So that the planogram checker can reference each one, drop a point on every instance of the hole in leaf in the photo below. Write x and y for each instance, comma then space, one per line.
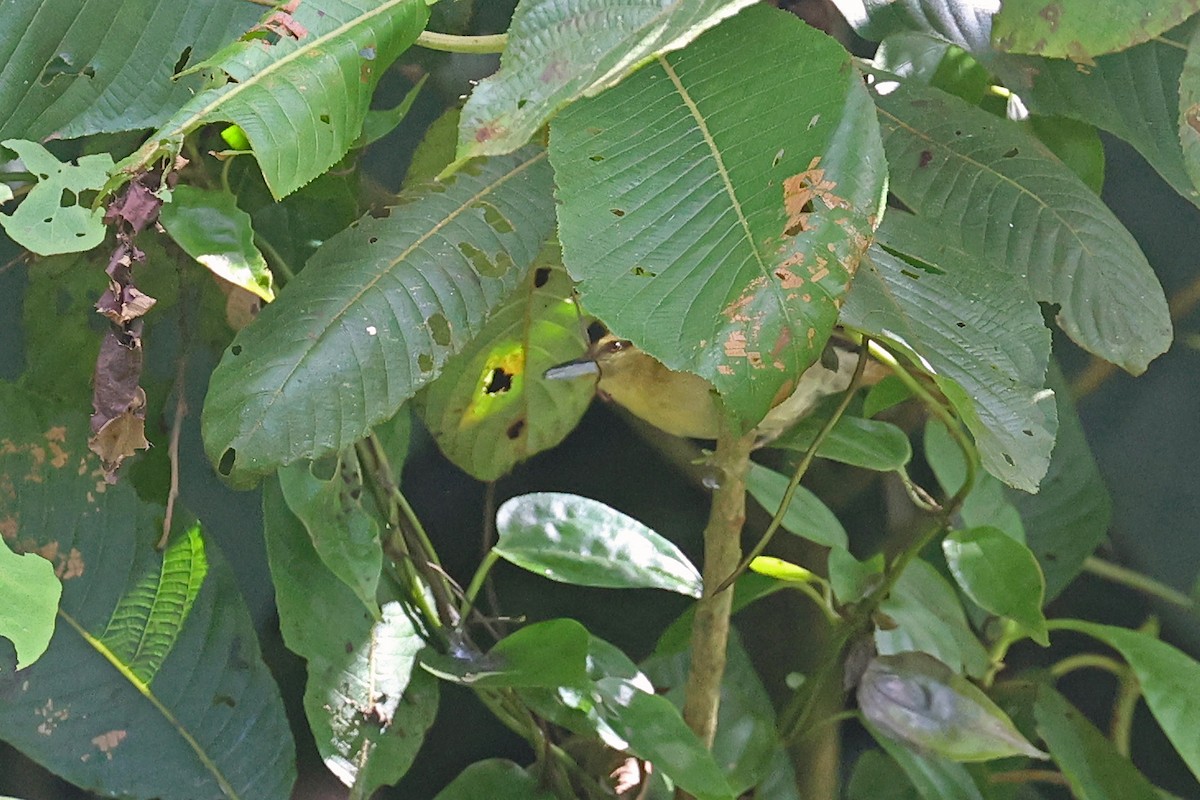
960, 324
67, 199
596, 157
182, 62
521, 103
514, 430
642, 272
373, 240
617, 212
1011, 153
1027, 432
236, 349
439, 329
1009, 459
382, 212
425, 362
778, 157
324, 119
497, 381
226, 465
540, 276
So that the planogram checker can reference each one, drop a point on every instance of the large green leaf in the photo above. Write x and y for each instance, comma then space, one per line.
545, 655
998, 193
1001, 575
934, 777
299, 84
152, 685
806, 516
562, 50
577, 540
367, 703
713, 206
374, 316
52, 219
495, 779
71, 68
867, 443
31, 592
976, 329
1167, 678
1081, 29
491, 409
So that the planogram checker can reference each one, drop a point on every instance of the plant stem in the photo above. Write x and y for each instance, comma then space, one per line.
449, 43
722, 550
1138, 582
1086, 661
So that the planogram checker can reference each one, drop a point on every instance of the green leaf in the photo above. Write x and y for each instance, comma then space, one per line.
989, 502
52, 219
998, 193
850, 578
928, 617
367, 703
558, 52
1189, 107
69, 69
976, 330
866, 443
210, 228
1166, 676
573, 539
496, 779
1001, 575
720, 247
491, 409
806, 516
374, 316
301, 98
343, 532
200, 683
934, 777
888, 393
877, 777
31, 591
435, 150
378, 123
1077, 144
1082, 29
915, 699
1092, 766
544, 655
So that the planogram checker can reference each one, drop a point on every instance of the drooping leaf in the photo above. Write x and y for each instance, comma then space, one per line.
929, 618
915, 699
496, 779
1165, 675
977, 330
996, 192
1001, 575
860, 442
155, 720
70, 69
374, 316
210, 228
343, 532
52, 218
1081, 29
573, 539
807, 516
718, 246
367, 702
559, 51
545, 655
31, 591
298, 85
1091, 764
491, 408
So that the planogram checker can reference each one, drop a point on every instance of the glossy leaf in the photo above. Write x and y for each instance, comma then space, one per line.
367, 703
491, 409
1091, 764
374, 316
69, 69
928, 617
496, 779
155, 719
1001, 575
1082, 29
31, 591
573, 539
934, 777
919, 701
343, 532
301, 98
976, 330
561, 50
866, 443
210, 228
999, 194
1166, 676
806, 516
544, 655
722, 247
52, 219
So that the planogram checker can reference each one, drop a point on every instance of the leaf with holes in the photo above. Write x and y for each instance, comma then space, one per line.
374, 316
1081, 29
998, 193
713, 208
491, 408
154, 666
52, 219
561, 50
31, 591
298, 84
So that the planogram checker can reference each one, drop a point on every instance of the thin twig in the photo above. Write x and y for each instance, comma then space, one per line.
1138, 582
181, 410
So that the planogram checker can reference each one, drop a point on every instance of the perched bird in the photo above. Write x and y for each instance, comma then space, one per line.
684, 404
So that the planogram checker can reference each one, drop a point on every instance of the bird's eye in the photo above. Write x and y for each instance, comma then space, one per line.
617, 345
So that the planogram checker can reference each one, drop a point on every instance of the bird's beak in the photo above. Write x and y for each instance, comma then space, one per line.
572, 369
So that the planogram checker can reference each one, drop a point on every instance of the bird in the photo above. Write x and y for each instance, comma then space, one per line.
684, 404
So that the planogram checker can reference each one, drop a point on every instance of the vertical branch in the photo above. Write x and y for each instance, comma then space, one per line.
722, 552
